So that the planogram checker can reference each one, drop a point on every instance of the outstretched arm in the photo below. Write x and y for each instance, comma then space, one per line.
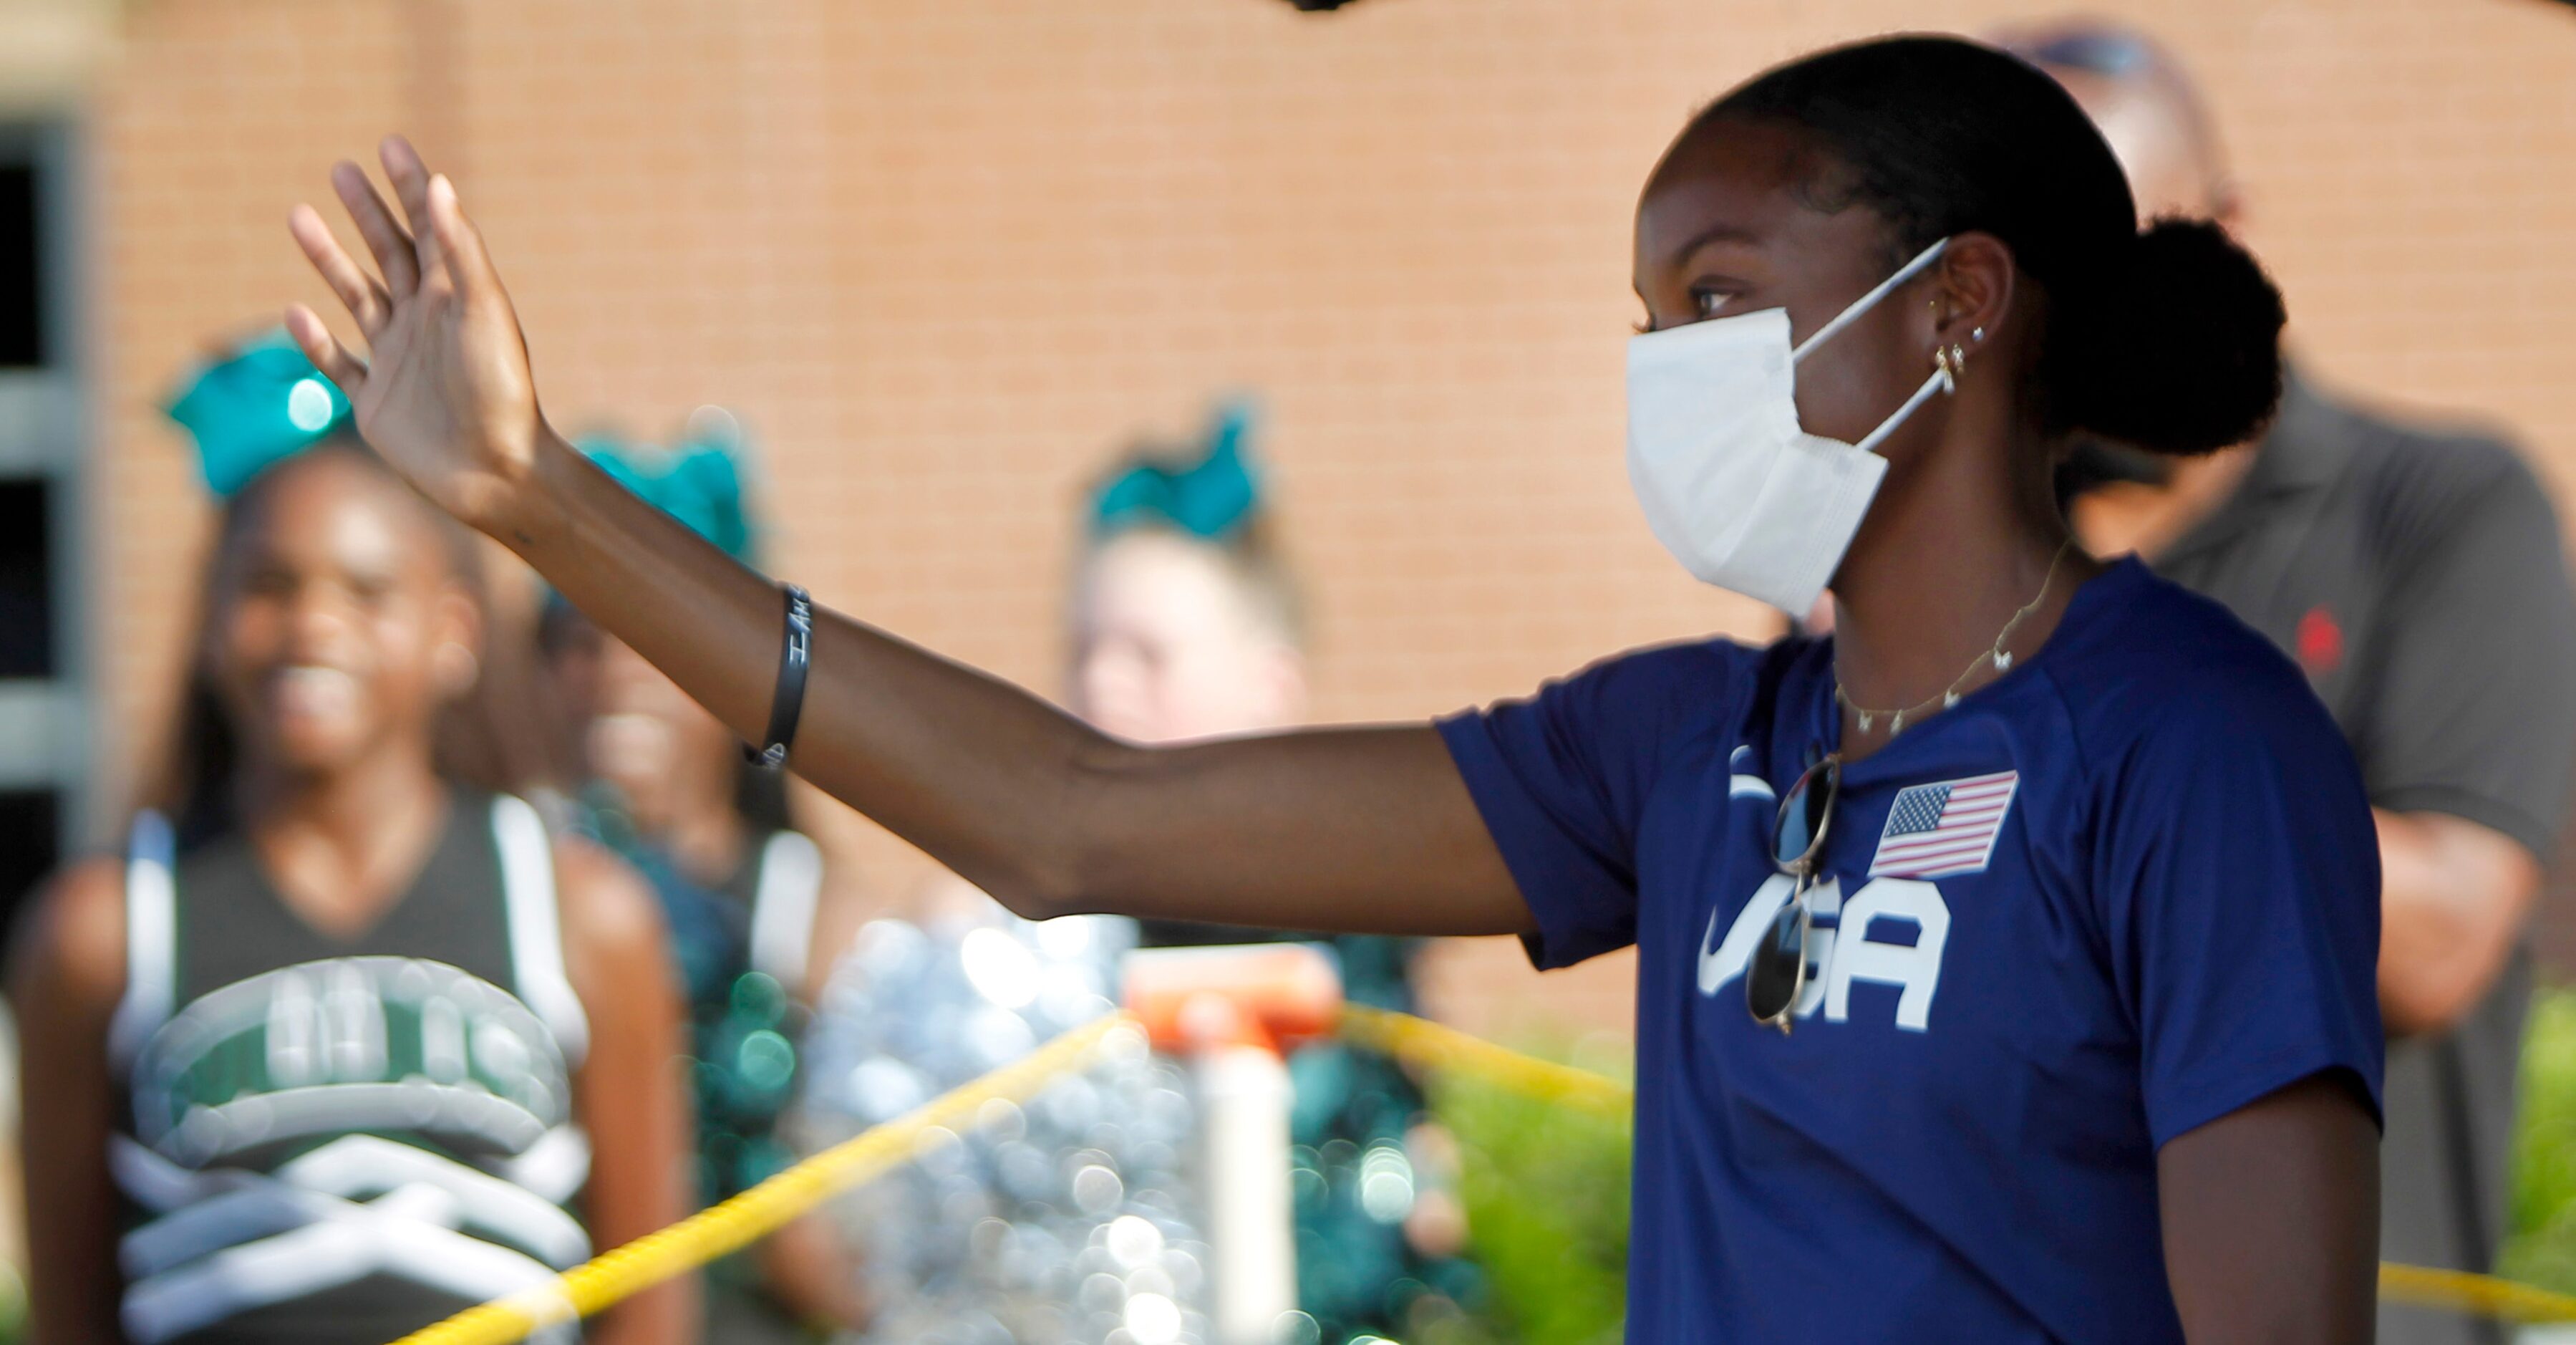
1365, 829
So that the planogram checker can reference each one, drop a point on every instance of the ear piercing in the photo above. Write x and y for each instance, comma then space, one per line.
1952, 359
1975, 335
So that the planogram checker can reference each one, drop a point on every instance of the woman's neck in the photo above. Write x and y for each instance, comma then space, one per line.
342, 847
1952, 550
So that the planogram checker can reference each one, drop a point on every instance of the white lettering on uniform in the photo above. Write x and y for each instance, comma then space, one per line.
1727, 961
1834, 963
353, 1021
1917, 970
295, 1032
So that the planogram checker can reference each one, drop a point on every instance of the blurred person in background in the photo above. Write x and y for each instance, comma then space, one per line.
344, 1043
1188, 623
2416, 576
667, 788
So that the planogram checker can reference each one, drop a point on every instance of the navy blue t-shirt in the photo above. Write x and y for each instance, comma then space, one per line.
2128, 887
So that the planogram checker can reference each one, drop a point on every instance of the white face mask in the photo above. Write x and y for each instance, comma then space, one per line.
1741, 495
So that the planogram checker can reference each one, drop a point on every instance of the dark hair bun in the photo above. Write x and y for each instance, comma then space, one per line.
2179, 352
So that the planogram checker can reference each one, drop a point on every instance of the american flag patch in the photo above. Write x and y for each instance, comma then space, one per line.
1938, 830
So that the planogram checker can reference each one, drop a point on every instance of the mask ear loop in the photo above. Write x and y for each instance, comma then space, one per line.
1864, 303
1939, 382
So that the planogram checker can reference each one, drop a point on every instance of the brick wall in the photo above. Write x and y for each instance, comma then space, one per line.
945, 256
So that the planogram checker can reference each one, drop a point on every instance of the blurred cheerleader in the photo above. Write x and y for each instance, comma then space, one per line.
344, 1042
667, 788
1187, 624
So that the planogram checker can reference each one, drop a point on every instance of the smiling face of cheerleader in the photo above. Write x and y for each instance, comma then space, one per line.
339, 626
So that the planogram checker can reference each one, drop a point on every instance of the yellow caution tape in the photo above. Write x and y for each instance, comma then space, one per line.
745, 1219
1419, 1041
693, 1242
2476, 1295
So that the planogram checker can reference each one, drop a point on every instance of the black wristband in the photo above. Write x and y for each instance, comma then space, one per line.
788, 701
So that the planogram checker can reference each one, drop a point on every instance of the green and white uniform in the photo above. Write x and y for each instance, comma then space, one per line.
340, 1141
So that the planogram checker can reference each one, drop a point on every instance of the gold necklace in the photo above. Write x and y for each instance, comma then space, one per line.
1997, 655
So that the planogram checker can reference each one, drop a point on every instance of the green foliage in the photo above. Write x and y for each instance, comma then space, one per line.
2542, 1248
1546, 1189
13, 1305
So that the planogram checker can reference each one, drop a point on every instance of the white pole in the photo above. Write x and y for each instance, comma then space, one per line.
1244, 1100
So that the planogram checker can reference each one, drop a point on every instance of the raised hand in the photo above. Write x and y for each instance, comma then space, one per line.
445, 393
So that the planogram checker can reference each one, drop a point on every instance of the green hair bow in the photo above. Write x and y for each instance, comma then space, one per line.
263, 405
1211, 498
699, 483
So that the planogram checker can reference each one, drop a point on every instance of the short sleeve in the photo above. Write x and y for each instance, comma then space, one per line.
2474, 711
2240, 874
1561, 779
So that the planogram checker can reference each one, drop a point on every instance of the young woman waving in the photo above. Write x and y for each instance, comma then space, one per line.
2063, 880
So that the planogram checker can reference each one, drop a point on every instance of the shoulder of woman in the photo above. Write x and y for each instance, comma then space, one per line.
607, 908
2181, 678
2167, 650
1665, 676
71, 942
2239, 709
